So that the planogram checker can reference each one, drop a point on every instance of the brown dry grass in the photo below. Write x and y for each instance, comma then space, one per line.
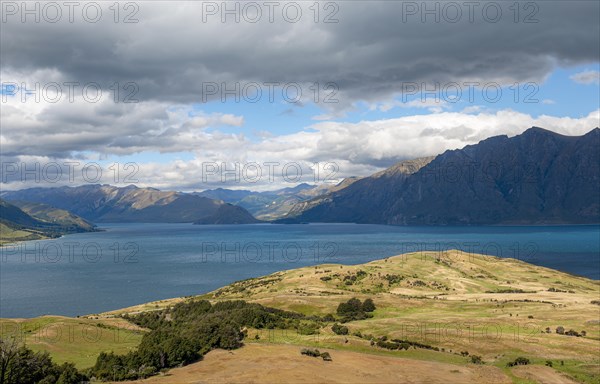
268, 363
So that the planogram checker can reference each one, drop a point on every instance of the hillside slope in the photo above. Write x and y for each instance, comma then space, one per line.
533, 178
32, 221
361, 201
106, 203
457, 302
270, 205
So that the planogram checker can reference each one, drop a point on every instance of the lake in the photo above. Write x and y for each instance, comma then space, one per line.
129, 264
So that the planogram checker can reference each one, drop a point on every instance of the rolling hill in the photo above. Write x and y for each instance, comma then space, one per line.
450, 305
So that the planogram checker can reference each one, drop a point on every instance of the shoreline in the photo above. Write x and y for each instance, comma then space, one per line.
157, 304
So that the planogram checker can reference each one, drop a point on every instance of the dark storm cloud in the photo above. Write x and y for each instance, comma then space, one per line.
369, 53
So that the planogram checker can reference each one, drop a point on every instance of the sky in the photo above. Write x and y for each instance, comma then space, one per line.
188, 96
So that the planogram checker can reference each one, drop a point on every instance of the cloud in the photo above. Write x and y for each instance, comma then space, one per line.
586, 77
168, 58
373, 49
360, 148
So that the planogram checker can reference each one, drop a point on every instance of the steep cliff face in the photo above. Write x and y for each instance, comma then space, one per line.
363, 201
536, 177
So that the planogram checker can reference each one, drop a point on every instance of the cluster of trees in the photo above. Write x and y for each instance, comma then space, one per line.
184, 333
315, 353
518, 361
20, 365
399, 344
354, 309
339, 329
571, 332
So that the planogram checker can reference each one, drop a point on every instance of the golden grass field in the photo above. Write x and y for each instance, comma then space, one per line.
496, 308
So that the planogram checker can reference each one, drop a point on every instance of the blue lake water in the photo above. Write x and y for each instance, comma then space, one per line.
129, 264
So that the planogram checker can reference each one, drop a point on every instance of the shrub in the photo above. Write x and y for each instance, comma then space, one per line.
308, 329
368, 305
548, 363
326, 356
311, 352
476, 359
518, 361
339, 329
354, 309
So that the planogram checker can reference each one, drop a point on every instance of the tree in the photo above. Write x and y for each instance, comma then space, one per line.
9, 349
339, 329
70, 375
368, 305
351, 306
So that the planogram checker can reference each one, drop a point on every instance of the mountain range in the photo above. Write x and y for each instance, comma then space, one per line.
538, 177
270, 205
106, 203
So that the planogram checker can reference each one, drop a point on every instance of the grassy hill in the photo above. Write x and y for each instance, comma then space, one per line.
450, 306
76, 340
21, 221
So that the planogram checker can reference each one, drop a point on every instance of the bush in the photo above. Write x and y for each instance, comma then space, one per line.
308, 329
339, 329
368, 305
476, 359
548, 363
354, 309
310, 352
518, 361
326, 356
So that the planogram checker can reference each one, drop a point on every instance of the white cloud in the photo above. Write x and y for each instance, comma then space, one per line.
358, 148
586, 77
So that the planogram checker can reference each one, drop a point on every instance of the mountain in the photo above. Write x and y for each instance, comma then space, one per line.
538, 177
105, 203
275, 204
33, 221
229, 214
361, 200
51, 214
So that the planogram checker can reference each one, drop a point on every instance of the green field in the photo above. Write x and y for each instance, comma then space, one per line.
75, 340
